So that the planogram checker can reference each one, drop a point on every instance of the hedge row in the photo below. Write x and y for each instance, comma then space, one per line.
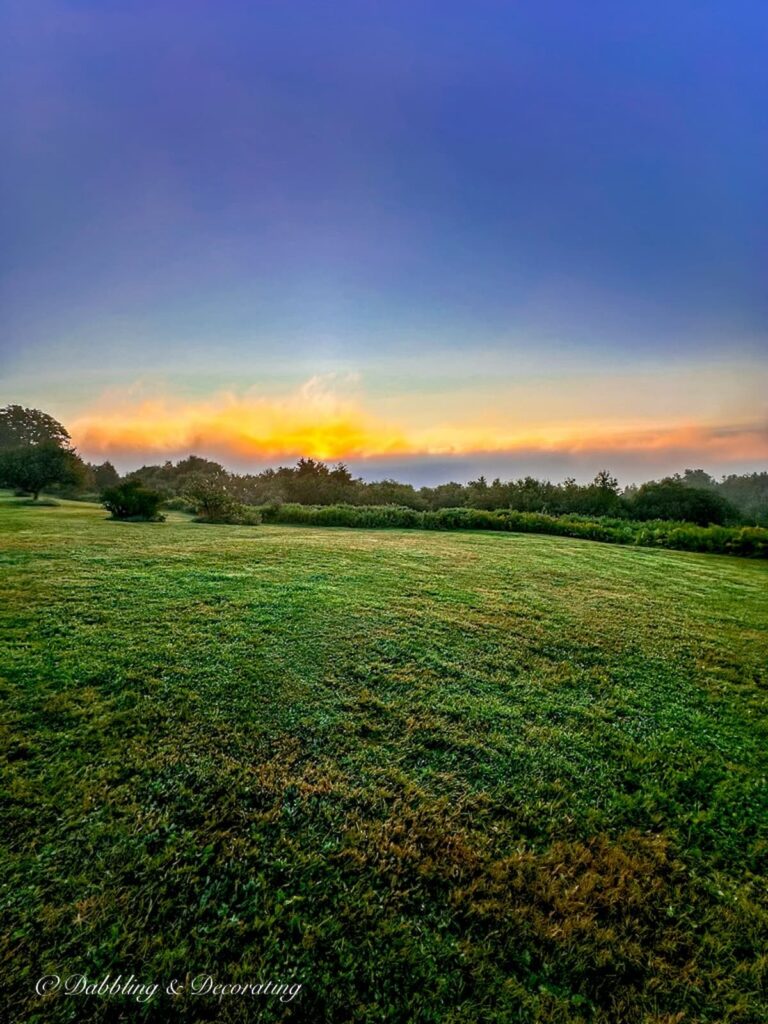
747, 541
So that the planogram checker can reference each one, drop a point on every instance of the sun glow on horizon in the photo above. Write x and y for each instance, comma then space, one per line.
317, 421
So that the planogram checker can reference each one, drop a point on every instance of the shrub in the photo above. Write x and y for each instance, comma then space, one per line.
234, 515
246, 515
371, 516
745, 541
214, 504
131, 500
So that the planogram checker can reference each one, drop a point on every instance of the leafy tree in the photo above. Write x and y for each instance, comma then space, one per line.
480, 495
263, 489
390, 492
34, 467
531, 495
601, 497
104, 476
749, 494
156, 478
696, 478
195, 464
605, 482
20, 427
672, 499
310, 483
450, 495
175, 480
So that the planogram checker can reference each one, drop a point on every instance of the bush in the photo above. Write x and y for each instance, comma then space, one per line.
371, 516
131, 500
234, 515
745, 541
214, 504
246, 515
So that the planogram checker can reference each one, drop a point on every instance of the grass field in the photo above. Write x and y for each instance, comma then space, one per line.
451, 778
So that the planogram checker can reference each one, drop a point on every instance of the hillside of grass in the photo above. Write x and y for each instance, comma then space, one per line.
432, 777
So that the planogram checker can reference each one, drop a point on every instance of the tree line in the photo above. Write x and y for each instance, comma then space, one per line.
36, 454
693, 496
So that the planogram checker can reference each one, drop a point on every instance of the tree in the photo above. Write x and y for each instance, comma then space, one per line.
601, 497
390, 492
36, 466
605, 482
341, 485
450, 495
749, 493
104, 476
479, 494
696, 478
672, 499
20, 427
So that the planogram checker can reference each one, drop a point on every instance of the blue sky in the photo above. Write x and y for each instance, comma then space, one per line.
439, 209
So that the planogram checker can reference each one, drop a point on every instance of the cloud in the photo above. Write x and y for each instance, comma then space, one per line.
326, 418
316, 420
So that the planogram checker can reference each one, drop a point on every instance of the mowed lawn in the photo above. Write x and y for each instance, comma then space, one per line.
433, 777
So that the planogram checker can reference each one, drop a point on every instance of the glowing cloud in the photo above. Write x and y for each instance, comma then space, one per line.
314, 421
319, 421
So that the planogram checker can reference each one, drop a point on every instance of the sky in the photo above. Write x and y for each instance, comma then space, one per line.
429, 239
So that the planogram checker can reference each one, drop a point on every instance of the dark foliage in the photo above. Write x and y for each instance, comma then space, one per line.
175, 480
34, 467
20, 427
748, 492
36, 452
745, 541
213, 503
131, 500
672, 499
104, 475
694, 497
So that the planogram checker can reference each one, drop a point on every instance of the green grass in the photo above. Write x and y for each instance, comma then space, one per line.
434, 777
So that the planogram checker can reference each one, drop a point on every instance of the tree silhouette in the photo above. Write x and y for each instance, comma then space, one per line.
20, 427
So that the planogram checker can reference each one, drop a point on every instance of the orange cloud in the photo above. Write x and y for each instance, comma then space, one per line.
316, 421
313, 421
